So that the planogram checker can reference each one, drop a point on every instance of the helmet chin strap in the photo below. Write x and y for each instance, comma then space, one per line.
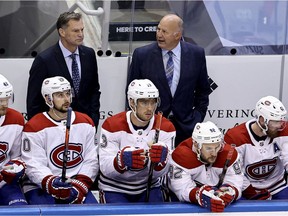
135, 114
197, 151
200, 158
264, 130
60, 118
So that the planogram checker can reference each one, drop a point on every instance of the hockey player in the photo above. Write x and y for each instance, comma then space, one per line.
262, 145
127, 149
43, 146
12, 168
198, 167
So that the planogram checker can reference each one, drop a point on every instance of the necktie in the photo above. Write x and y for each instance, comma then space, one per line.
75, 73
170, 68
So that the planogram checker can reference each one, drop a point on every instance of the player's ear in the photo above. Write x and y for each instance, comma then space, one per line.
195, 144
61, 32
48, 99
132, 103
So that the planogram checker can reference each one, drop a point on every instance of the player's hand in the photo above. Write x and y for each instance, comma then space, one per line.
13, 171
226, 193
130, 158
252, 193
262, 194
58, 189
78, 192
158, 154
206, 198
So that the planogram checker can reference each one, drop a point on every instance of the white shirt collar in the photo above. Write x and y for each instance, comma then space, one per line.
66, 52
176, 51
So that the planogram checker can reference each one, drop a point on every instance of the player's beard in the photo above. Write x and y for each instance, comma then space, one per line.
209, 160
272, 134
3, 111
61, 109
143, 118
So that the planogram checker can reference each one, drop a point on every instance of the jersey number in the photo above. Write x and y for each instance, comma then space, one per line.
175, 172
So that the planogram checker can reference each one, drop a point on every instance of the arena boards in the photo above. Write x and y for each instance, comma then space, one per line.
241, 208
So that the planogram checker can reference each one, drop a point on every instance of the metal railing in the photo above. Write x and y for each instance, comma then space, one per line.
76, 5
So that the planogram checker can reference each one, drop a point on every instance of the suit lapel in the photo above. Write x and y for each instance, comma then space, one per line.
62, 63
84, 64
157, 52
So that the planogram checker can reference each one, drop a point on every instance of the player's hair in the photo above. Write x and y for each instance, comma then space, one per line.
65, 17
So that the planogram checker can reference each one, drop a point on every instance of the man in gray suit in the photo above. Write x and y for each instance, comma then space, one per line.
184, 95
57, 61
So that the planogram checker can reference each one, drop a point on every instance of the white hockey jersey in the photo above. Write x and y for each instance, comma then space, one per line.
187, 173
118, 132
43, 145
263, 162
11, 127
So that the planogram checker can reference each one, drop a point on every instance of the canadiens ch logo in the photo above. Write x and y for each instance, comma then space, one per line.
74, 155
262, 169
3, 151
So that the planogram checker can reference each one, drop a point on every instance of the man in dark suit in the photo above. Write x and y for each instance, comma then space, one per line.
184, 99
57, 61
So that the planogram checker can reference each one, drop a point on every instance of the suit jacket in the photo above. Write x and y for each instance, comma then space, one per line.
190, 102
51, 63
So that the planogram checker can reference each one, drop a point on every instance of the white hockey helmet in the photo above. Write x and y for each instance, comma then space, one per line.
52, 85
6, 89
142, 88
270, 108
206, 133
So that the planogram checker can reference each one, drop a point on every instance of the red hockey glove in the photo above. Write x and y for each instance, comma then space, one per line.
262, 194
251, 193
130, 158
226, 193
13, 171
54, 186
206, 198
158, 153
78, 192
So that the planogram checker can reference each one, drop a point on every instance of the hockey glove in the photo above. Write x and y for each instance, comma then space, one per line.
13, 171
251, 193
262, 194
58, 189
130, 158
206, 198
226, 193
158, 154
78, 192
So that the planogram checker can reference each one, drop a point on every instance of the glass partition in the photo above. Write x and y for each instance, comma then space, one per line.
221, 27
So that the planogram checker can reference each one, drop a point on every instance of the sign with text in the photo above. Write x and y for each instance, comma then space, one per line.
140, 31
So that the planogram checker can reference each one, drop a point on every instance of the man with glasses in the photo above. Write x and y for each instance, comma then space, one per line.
263, 146
127, 149
43, 144
206, 171
11, 167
